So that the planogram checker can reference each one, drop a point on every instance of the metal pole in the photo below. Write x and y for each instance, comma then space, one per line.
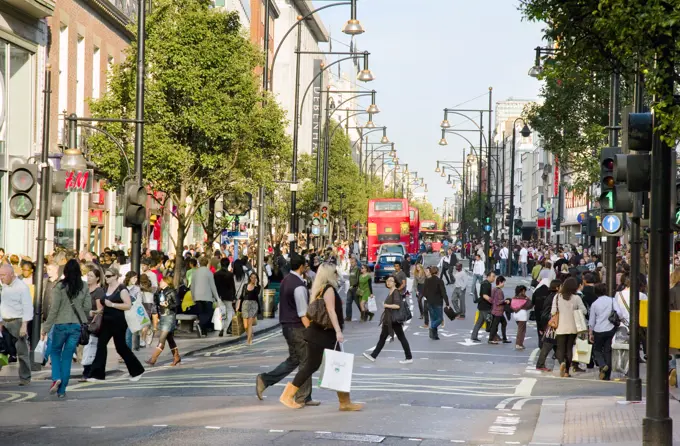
261, 191
462, 219
511, 228
318, 150
503, 182
326, 161
136, 242
633, 381
657, 426
43, 216
296, 132
479, 185
610, 251
487, 238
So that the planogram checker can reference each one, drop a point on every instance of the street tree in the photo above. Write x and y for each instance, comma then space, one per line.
207, 130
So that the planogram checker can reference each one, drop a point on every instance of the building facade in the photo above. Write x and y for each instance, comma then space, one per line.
24, 38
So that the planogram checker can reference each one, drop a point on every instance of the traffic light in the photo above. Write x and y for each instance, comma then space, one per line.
518, 226
507, 220
324, 214
607, 181
675, 216
592, 226
135, 202
23, 195
57, 191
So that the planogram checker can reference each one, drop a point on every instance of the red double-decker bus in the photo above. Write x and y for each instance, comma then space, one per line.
414, 229
428, 225
388, 222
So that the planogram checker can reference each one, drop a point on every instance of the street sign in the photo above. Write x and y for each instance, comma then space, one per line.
611, 224
541, 210
487, 228
237, 235
581, 217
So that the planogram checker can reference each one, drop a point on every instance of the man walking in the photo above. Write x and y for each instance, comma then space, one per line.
443, 266
523, 260
484, 306
460, 281
292, 310
16, 311
477, 274
352, 297
204, 293
504, 254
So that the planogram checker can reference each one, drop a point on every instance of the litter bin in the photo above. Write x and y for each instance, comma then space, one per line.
268, 307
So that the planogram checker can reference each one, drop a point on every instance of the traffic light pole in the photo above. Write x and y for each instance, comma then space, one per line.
657, 426
43, 216
136, 242
633, 381
611, 244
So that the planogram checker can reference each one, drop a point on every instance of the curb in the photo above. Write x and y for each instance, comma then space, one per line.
549, 428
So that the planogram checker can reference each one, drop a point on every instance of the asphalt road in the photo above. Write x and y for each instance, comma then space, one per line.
455, 392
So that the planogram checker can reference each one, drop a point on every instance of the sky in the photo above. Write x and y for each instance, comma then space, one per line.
427, 55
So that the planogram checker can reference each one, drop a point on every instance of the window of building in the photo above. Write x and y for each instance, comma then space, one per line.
80, 76
96, 72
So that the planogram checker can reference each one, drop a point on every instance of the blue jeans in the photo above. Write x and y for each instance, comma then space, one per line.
436, 314
132, 339
504, 267
64, 343
476, 278
48, 345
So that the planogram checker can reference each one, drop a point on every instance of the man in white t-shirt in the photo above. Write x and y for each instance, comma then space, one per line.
503, 254
523, 260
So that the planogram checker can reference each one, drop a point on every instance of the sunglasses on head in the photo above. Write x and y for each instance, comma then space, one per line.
108, 276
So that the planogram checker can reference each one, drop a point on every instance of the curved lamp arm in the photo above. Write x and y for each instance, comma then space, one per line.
447, 111
116, 142
276, 53
472, 147
320, 73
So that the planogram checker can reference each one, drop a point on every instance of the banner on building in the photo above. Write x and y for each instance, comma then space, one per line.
316, 106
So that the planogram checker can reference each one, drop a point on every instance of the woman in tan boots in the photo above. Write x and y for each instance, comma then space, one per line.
166, 301
319, 338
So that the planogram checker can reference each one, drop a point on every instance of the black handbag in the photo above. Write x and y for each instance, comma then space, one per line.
450, 313
318, 313
403, 314
84, 328
614, 316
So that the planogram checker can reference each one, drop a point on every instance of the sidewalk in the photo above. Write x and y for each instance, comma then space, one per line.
188, 344
602, 420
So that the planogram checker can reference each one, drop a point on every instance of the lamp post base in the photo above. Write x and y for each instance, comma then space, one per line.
657, 432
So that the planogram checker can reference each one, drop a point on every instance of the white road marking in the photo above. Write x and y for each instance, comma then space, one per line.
405, 405
512, 442
213, 427
525, 387
415, 439
457, 441
160, 425
447, 407
458, 353
46, 427
275, 430
519, 404
505, 402
98, 427
322, 432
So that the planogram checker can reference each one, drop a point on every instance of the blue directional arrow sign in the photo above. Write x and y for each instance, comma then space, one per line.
611, 224
487, 228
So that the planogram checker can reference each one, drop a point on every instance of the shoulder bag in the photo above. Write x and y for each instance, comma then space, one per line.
84, 329
554, 321
614, 318
403, 314
317, 312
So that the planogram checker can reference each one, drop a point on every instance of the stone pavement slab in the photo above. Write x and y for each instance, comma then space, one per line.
188, 344
585, 421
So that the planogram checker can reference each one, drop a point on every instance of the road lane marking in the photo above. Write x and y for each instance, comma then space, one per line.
46, 427
213, 427
275, 430
525, 387
98, 427
160, 425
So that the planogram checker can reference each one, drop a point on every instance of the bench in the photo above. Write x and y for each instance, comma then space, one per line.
187, 322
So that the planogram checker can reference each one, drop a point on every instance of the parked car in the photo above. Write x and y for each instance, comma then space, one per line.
384, 266
392, 248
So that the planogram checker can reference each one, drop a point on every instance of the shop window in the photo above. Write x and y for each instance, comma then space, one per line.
20, 102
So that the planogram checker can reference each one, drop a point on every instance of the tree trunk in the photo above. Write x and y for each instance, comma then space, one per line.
210, 225
181, 235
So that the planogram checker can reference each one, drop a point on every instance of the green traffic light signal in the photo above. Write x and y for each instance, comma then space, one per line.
677, 217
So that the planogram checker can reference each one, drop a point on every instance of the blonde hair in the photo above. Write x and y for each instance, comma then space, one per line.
419, 271
325, 275
675, 277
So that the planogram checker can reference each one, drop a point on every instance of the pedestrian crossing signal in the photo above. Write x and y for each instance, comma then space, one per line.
23, 196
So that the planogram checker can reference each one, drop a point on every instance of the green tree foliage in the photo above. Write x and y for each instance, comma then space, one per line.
595, 38
426, 212
208, 131
472, 212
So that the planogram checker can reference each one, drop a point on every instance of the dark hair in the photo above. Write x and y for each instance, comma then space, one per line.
397, 282
499, 280
569, 288
239, 273
519, 289
191, 261
434, 270
145, 283
224, 263
73, 281
296, 261
600, 289
555, 285
590, 278
129, 275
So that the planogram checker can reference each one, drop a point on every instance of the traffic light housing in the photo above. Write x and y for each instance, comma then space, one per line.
675, 200
592, 226
324, 215
607, 179
507, 220
135, 202
57, 191
518, 226
23, 194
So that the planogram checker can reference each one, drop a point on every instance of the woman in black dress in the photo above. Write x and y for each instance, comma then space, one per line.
319, 338
114, 304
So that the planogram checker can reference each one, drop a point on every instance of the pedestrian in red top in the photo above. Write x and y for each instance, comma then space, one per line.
498, 301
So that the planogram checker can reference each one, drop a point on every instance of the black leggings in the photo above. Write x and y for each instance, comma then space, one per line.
170, 337
494, 327
565, 345
399, 331
314, 359
116, 330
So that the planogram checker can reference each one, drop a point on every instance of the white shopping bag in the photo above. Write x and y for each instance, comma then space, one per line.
39, 352
89, 351
217, 318
409, 285
336, 371
372, 305
136, 316
582, 356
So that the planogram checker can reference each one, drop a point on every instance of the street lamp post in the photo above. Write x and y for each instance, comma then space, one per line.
525, 132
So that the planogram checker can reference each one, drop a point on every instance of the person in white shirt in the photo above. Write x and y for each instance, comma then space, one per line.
16, 311
478, 269
623, 297
461, 281
523, 260
503, 254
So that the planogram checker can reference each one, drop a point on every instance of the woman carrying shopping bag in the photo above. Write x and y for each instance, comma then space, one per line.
391, 323
166, 302
249, 305
113, 325
520, 305
324, 332
565, 304
68, 311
